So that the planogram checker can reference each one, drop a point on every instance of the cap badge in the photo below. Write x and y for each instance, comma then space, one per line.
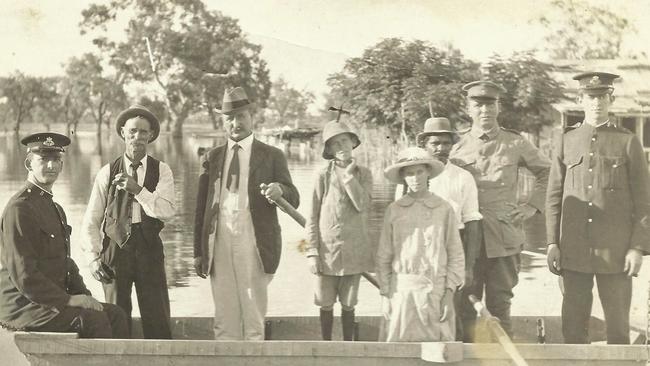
48, 142
595, 80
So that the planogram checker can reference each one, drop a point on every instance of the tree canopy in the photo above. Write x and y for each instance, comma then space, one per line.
195, 53
577, 30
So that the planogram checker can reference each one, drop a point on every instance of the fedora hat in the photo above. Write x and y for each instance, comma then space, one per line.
412, 156
436, 126
334, 128
234, 100
138, 111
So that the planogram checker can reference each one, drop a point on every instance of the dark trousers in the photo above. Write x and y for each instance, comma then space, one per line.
110, 323
141, 263
615, 292
496, 277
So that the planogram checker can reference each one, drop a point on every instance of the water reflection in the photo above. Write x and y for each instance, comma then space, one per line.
87, 154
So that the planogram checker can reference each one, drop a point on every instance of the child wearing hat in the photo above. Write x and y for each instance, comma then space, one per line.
338, 249
420, 260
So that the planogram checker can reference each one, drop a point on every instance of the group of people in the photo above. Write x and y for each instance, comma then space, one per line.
454, 229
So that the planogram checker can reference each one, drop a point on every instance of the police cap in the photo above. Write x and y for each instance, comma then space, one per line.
45, 142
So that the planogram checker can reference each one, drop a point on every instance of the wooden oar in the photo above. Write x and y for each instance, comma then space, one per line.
498, 332
300, 219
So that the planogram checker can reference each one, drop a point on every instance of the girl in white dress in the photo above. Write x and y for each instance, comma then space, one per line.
420, 260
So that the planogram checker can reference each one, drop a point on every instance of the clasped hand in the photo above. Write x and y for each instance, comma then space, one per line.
126, 182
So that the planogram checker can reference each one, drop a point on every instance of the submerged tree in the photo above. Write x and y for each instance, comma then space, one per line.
21, 93
286, 104
188, 45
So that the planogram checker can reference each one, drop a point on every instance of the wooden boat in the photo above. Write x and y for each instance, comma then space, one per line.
294, 341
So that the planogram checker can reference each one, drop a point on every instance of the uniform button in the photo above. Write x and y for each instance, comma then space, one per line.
51, 235
503, 183
591, 154
589, 186
590, 220
614, 166
593, 139
590, 203
29, 190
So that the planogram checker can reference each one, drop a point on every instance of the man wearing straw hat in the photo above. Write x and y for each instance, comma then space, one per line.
130, 199
457, 186
493, 155
237, 238
597, 215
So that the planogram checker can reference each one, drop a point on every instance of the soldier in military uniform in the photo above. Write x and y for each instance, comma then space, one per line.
40, 285
597, 214
493, 155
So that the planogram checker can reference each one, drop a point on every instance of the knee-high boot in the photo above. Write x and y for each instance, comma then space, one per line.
347, 320
326, 320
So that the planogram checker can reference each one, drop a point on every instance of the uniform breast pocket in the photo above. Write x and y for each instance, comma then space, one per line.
506, 170
613, 172
572, 164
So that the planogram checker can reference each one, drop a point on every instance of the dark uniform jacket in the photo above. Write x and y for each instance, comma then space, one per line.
37, 275
267, 165
494, 160
598, 198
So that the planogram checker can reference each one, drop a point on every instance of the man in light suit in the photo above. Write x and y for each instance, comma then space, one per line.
236, 232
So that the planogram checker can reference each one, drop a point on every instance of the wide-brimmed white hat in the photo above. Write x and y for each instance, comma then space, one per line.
412, 156
334, 128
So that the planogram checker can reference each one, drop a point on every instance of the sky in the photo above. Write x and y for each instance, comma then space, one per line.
38, 36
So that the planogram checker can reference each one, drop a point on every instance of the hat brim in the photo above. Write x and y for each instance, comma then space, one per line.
454, 135
392, 172
234, 110
357, 142
138, 112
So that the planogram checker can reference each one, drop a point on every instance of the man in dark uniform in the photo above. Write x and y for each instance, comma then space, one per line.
493, 155
40, 285
597, 214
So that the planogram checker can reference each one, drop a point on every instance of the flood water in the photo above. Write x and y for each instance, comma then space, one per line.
290, 292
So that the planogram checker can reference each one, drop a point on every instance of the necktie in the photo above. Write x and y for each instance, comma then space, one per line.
232, 183
134, 170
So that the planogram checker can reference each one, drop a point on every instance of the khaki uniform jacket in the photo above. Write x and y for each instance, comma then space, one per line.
494, 160
337, 226
598, 198
37, 275
267, 165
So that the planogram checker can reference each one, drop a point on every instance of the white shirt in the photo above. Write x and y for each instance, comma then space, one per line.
233, 201
159, 204
456, 186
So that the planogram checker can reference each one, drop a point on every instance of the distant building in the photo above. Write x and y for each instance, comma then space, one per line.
631, 109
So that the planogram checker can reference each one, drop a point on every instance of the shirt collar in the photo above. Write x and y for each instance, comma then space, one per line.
31, 182
127, 162
244, 143
491, 134
431, 200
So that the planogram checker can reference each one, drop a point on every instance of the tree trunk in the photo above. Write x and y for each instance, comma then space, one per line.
177, 128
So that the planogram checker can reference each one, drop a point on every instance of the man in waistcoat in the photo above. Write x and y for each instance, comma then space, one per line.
237, 238
597, 215
40, 286
131, 197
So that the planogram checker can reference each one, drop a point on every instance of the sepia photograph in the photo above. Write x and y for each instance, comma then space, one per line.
324, 182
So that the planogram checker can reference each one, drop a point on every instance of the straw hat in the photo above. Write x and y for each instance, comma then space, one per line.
412, 156
234, 100
437, 126
334, 128
138, 111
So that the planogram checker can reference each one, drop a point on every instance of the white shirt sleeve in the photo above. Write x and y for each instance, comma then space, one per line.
91, 225
160, 203
469, 209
